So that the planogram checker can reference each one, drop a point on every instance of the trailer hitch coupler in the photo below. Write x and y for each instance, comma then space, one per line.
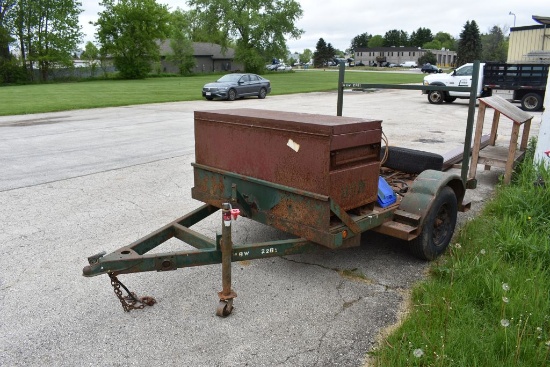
95, 258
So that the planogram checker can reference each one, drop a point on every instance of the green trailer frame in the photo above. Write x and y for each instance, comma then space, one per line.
418, 212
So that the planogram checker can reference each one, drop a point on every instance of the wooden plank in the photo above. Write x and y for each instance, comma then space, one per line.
455, 156
494, 128
525, 135
497, 156
507, 109
511, 154
477, 139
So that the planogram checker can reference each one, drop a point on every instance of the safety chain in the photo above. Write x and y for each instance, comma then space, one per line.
131, 301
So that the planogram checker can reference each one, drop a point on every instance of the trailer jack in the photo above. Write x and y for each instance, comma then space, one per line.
225, 307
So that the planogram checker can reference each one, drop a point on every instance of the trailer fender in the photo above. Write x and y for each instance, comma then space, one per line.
426, 187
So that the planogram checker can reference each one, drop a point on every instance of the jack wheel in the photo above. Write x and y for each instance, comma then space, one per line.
224, 308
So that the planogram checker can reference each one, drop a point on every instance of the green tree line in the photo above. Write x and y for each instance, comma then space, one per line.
37, 36
45, 34
470, 45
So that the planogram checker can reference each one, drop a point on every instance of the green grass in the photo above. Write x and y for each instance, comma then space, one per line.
487, 301
52, 97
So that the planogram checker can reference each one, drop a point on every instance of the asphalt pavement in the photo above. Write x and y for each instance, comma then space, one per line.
79, 182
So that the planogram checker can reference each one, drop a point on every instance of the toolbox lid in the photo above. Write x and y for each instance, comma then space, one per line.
293, 121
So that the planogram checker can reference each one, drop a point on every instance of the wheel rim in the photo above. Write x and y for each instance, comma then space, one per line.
231, 95
530, 103
442, 226
435, 97
262, 93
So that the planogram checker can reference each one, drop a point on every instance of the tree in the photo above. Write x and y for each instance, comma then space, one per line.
181, 44
428, 57
495, 45
306, 56
323, 53
420, 37
10, 70
91, 55
376, 41
446, 41
469, 44
48, 32
259, 28
331, 52
129, 31
396, 38
360, 41
5, 28
433, 45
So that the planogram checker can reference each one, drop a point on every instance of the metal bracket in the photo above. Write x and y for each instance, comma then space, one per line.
95, 258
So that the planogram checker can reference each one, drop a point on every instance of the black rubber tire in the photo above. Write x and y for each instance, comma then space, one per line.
449, 99
435, 96
209, 98
438, 227
231, 95
531, 102
262, 93
410, 160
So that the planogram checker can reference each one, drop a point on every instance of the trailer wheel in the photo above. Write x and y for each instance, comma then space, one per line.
224, 308
531, 102
410, 160
435, 97
438, 226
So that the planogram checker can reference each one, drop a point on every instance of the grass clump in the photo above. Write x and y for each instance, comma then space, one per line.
487, 301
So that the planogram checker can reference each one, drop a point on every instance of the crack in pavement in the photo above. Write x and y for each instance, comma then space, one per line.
345, 273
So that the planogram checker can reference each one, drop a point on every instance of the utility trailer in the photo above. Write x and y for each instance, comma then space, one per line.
317, 177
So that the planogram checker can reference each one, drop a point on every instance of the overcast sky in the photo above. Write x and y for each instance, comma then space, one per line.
337, 22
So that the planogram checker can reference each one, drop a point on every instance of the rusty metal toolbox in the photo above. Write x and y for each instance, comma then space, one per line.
327, 155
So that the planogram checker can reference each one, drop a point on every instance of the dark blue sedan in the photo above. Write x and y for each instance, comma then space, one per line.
429, 68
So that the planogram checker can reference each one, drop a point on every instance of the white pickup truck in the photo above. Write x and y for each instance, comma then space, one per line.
527, 82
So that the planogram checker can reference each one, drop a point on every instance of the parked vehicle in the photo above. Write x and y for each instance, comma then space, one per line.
409, 64
527, 82
391, 65
232, 86
430, 69
284, 67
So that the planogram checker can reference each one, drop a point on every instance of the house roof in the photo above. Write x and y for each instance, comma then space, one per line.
202, 49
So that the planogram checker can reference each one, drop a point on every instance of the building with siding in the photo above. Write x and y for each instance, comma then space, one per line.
209, 57
398, 55
530, 44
